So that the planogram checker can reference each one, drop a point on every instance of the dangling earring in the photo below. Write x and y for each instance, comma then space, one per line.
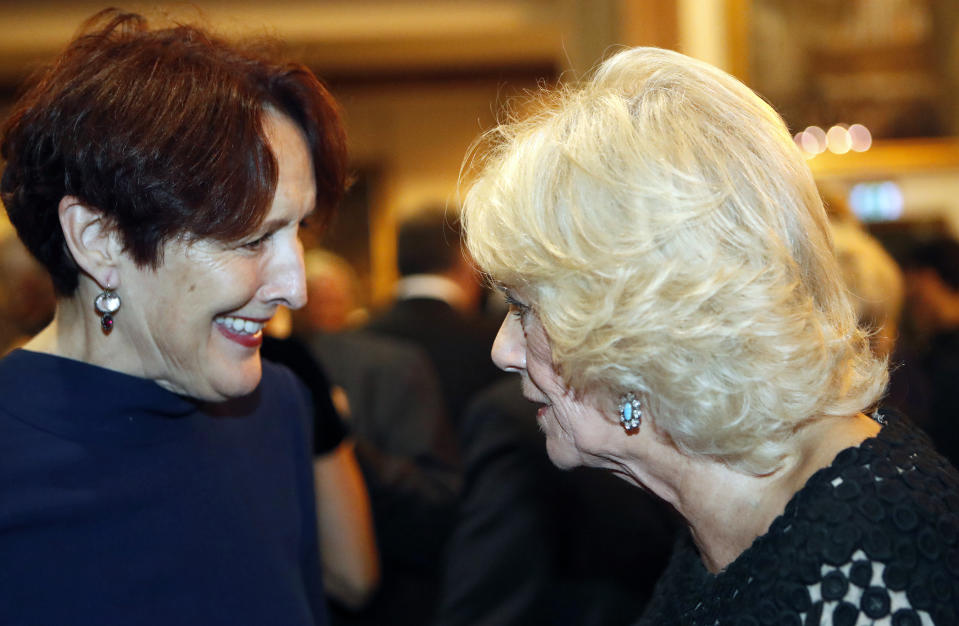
107, 303
630, 412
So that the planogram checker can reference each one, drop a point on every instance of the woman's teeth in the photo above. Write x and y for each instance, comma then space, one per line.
238, 325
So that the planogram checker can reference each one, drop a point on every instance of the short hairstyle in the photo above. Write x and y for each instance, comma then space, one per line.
671, 240
429, 242
162, 131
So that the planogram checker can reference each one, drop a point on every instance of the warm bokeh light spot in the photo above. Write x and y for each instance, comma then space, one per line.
838, 140
861, 138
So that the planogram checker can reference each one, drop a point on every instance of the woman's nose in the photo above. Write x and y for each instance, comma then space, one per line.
286, 276
509, 347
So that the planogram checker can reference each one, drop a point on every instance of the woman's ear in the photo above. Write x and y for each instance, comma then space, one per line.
92, 241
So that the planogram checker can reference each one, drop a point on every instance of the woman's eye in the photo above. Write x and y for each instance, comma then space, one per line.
516, 307
257, 243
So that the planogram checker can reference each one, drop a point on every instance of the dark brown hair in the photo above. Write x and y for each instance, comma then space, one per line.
162, 131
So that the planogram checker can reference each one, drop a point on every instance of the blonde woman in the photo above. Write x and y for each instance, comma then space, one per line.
678, 314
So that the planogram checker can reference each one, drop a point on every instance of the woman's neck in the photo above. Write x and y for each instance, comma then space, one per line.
726, 510
69, 334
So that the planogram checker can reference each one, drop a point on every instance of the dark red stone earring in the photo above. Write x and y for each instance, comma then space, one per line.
106, 304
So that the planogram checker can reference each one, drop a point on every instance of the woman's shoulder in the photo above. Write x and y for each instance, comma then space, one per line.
899, 454
64, 389
880, 523
875, 533
21, 364
896, 470
913, 453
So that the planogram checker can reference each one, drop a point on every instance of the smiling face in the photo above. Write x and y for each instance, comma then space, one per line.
195, 324
577, 432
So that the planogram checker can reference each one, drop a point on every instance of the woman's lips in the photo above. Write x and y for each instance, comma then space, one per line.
543, 404
244, 331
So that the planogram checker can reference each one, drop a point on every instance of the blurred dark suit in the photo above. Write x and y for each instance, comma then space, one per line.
457, 343
537, 545
409, 460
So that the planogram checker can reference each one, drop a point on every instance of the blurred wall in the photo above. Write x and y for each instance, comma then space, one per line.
419, 80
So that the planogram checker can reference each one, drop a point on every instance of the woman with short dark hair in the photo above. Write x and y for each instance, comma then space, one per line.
152, 469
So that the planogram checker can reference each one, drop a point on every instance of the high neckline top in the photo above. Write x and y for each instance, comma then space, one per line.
124, 503
45, 390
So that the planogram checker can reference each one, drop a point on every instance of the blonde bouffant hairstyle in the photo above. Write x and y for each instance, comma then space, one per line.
670, 238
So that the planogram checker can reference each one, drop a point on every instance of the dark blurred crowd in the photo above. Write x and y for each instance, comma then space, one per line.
904, 283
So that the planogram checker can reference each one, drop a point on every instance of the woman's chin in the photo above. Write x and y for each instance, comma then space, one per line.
561, 455
238, 385
219, 384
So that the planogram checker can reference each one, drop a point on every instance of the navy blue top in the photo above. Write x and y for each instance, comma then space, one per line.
124, 503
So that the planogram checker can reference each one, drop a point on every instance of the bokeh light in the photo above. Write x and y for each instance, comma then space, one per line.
876, 201
838, 140
813, 140
861, 138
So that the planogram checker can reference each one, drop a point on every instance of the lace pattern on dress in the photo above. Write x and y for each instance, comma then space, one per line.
871, 539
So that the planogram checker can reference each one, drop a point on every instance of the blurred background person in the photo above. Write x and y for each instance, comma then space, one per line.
385, 382
932, 282
155, 471
437, 306
874, 280
334, 287
678, 315
535, 544
349, 556
388, 392
877, 290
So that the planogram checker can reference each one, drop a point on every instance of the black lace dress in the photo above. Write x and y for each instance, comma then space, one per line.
871, 539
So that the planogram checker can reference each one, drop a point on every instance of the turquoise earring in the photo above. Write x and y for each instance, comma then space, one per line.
630, 412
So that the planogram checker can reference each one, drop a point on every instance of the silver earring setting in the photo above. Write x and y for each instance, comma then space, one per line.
107, 303
630, 412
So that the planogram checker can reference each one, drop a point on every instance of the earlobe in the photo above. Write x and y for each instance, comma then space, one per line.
91, 240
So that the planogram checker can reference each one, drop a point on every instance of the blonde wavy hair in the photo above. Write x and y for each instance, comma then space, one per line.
671, 240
